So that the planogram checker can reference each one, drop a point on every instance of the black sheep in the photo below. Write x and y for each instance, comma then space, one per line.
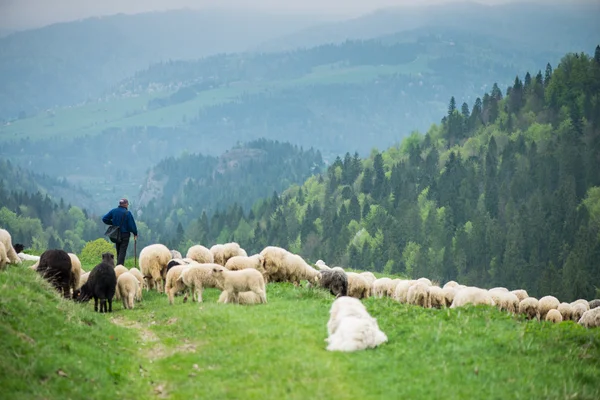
55, 267
18, 247
172, 264
101, 284
335, 281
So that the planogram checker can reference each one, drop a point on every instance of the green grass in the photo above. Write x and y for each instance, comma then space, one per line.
93, 118
277, 351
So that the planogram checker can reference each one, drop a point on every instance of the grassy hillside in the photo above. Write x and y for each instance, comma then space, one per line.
53, 348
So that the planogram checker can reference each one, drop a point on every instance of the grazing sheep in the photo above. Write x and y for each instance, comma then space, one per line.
76, 271
437, 297
101, 284
11, 254
401, 291
322, 266
119, 269
521, 294
351, 328
335, 281
273, 263
173, 285
578, 309
594, 304
338, 269
200, 254
425, 281
418, 294
175, 254
197, 277
499, 289
138, 275
82, 280
128, 288
449, 294
232, 249
565, 310
391, 288
370, 277
547, 303
554, 315
358, 286
243, 298
234, 282
504, 300
590, 318
3, 256
237, 263
379, 287
582, 301
530, 307
451, 284
174, 263
472, 295
55, 267
294, 269
153, 265
18, 248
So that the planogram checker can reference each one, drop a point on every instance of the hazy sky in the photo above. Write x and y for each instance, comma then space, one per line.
20, 14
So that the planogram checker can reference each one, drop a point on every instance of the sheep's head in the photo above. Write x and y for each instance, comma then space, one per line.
217, 272
18, 247
83, 294
108, 258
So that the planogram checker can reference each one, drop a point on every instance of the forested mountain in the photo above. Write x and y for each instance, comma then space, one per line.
504, 192
179, 189
68, 63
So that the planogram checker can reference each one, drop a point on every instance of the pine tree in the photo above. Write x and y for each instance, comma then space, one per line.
451, 106
548, 75
597, 54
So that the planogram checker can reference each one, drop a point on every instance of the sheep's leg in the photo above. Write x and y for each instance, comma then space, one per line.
67, 290
131, 301
263, 296
199, 293
125, 305
95, 304
171, 295
109, 305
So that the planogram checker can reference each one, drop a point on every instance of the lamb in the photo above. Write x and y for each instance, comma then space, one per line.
590, 318
437, 297
530, 307
354, 328
521, 294
173, 285
128, 288
243, 298
472, 295
200, 254
554, 315
175, 254
138, 275
153, 265
237, 263
3, 256
55, 267
119, 269
335, 281
547, 303
380, 287
578, 309
370, 277
358, 286
565, 310
234, 282
101, 284
197, 277
594, 304
418, 294
11, 254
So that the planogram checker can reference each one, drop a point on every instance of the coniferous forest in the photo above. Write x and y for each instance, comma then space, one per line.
502, 192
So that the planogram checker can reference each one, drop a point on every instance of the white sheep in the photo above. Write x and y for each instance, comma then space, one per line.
320, 264
197, 277
298, 270
450, 284
175, 254
11, 254
437, 297
379, 287
234, 282
565, 310
83, 279
530, 307
153, 265
172, 283
418, 294
243, 298
554, 315
590, 318
401, 291
472, 295
521, 294
127, 287
449, 294
3, 256
274, 263
237, 263
547, 303
504, 300
223, 252
499, 289
425, 281
358, 286
75, 271
369, 276
138, 275
585, 303
200, 254
578, 309
354, 328
338, 269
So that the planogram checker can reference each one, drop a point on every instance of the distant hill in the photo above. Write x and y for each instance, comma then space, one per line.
68, 63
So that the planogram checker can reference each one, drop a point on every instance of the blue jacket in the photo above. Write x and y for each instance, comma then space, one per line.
114, 217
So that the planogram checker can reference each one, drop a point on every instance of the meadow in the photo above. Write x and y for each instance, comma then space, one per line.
55, 348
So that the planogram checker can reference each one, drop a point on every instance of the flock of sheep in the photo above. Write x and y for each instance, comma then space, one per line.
242, 279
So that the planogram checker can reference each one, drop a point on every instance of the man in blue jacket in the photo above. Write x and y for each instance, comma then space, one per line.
114, 217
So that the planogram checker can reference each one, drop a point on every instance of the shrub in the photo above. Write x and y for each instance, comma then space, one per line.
92, 252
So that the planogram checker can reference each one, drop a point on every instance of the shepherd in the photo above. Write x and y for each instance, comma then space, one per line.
122, 225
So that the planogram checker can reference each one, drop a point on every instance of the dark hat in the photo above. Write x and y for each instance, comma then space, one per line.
123, 202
